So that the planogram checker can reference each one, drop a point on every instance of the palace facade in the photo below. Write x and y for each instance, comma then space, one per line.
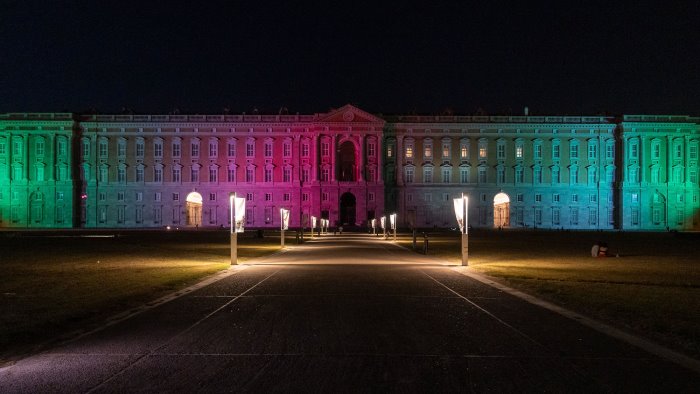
64, 170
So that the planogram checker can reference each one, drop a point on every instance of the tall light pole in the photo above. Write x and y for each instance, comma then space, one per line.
313, 225
383, 223
461, 212
392, 220
237, 216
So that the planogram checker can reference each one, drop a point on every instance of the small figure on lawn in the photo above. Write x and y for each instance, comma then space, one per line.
600, 249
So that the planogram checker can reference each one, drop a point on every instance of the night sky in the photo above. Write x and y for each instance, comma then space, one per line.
566, 57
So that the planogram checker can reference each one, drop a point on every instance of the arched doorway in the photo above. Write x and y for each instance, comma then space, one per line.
501, 210
194, 209
347, 209
346, 159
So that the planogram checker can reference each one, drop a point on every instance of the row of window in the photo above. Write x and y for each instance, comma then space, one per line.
519, 175
176, 148
678, 148
519, 152
39, 146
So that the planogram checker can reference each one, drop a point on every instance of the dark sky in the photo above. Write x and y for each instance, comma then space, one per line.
568, 57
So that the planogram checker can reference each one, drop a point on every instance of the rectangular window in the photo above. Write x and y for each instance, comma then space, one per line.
250, 149
634, 197
501, 175
17, 148
324, 196
428, 151
482, 175
634, 217
537, 176
231, 149
3, 148
501, 151
463, 175
427, 197
268, 149
464, 152
555, 197
409, 175
428, 175
213, 175
139, 196
158, 175
176, 148
139, 148
446, 175
268, 175
573, 151
287, 197
445, 151
538, 151
213, 149
176, 172
212, 196
482, 152
409, 152
249, 196
574, 198
120, 196
519, 152
556, 151
538, 198
157, 215
121, 175
268, 196
610, 151
305, 197
693, 152
655, 150
157, 196
102, 148
519, 175
573, 174
325, 149
287, 175
593, 198
325, 175
268, 215
249, 175
231, 175
371, 149
390, 151
574, 216
121, 148
556, 216
370, 196
102, 196
194, 149
678, 151
538, 216
519, 197
592, 151
305, 150
194, 174
305, 175
158, 149
287, 149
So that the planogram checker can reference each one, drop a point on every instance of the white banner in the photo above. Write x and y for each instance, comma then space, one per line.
238, 213
284, 219
313, 222
383, 222
392, 219
374, 223
461, 209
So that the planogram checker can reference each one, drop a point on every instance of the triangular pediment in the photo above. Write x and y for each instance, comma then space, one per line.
349, 114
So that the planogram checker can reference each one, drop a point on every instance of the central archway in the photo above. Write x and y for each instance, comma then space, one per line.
501, 210
194, 209
347, 162
347, 209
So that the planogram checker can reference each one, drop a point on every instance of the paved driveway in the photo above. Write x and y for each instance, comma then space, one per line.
341, 314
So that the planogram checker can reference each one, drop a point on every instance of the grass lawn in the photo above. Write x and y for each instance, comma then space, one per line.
652, 289
54, 283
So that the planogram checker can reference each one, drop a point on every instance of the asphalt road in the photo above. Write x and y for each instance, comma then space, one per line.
347, 314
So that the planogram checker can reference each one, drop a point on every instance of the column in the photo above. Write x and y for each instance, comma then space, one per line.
314, 170
642, 162
333, 164
380, 161
399, 160
360, 173
51, 163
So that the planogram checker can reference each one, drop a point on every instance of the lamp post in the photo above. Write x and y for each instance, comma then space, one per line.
461, 212
237, 216
374, 226
382, 221
313, 225
284, 224
392, 220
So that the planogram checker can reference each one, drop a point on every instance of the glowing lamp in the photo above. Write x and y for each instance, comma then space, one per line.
237, 219
284, 224
461, 206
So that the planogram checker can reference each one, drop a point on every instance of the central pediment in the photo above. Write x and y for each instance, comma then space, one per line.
349, 114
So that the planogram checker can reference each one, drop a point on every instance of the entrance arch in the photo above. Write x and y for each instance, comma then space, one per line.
347, 209
346, 159
194, 209
501, 210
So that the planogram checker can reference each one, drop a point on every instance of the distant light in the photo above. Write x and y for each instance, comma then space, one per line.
167, 227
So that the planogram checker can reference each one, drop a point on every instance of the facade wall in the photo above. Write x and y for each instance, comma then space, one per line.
631, 173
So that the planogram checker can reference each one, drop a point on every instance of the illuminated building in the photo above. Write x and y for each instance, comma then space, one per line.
575, 172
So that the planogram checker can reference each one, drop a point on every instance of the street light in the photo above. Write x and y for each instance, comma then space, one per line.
383, 223
313, 225
284, 224
461, 212
237, 212
392, 220
374, 226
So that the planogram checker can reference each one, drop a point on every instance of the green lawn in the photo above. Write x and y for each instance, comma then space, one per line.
56, 283
652, 289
